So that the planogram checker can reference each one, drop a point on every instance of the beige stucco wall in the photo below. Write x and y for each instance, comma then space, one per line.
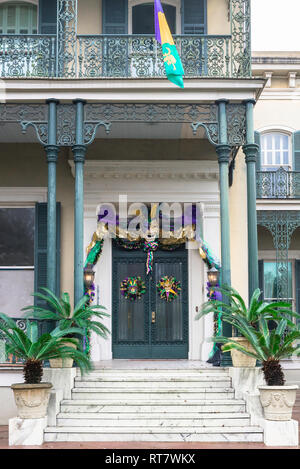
238, 227
90, 16
277, 113
24, 165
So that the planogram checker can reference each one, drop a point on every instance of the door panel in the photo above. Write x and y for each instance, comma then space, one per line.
150, 327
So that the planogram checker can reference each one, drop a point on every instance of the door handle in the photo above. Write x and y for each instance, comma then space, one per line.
153, 317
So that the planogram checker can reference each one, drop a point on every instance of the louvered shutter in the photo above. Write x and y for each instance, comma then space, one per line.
115, 16
296, 148
40, 258
257, 141
193, 17
261, 278
297, 267
47, 16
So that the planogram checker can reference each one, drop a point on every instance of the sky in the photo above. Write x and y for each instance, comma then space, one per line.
275, 25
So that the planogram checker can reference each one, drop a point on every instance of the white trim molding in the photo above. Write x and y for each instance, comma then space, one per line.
22, 195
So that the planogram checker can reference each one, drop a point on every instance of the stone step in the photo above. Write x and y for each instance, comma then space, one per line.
77, 420
154, 406
205, 434
124, 394
155, 372
152, 382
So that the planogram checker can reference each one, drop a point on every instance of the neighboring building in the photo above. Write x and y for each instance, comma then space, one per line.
277, 128
85, 92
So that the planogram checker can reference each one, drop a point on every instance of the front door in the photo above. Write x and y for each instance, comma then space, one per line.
150, 326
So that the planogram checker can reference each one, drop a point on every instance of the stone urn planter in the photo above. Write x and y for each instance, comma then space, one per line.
278, 401
63, 362
32, 399
239, 359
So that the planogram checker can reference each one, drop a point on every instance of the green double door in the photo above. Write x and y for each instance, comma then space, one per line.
150, 327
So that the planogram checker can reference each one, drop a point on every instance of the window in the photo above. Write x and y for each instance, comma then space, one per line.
18, 18
275, 151
143, 18
16, 259
271, 281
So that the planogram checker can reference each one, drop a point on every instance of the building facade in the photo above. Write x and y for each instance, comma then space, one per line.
88, 118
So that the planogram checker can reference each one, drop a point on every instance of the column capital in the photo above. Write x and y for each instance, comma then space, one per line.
79, 152
222, 100
52, 100
52, 153
249, 101
223, 152
251, 152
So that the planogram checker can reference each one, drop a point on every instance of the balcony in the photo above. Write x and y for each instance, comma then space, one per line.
116, 56
280, 184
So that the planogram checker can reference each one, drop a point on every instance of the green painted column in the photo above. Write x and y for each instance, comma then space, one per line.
223, 151
251, 152
52, 155
79, 152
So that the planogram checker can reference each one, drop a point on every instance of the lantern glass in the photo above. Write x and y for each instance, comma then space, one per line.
89, 275
213, 276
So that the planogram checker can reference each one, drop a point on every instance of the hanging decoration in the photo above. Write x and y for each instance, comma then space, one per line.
132, 288
168, 288
150, 247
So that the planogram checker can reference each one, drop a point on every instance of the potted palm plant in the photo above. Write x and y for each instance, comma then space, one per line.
32, 396
235, 312
271, 346
84, 316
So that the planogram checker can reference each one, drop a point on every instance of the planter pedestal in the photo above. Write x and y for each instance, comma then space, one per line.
26, 432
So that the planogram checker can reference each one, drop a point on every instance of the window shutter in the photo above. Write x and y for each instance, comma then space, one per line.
261, 278
296, 149
193, 16
47, 16
40, 257
115, 16
257, 141
297, 267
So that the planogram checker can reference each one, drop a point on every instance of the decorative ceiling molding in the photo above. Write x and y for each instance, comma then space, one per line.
147, 170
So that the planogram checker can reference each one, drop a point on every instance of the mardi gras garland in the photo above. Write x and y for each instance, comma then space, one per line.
169, 288
132, 288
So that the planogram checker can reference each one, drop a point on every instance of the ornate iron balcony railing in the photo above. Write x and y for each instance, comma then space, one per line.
38, 328
138, 56
27, 56
280, 184
117, 56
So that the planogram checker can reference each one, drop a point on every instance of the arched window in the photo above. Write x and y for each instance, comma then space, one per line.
275, 151
143, 18
18, 18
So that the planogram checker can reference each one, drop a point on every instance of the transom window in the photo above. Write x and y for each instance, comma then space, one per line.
275, 151
143, 18
18, 18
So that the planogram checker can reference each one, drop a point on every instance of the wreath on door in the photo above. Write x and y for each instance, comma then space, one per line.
168, 288
133, 288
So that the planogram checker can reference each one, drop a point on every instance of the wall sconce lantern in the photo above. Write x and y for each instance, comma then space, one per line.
88, 276
213, 276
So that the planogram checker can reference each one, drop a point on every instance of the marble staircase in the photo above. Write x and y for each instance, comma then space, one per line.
154, 405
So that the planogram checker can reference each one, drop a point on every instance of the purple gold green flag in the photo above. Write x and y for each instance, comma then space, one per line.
172, 62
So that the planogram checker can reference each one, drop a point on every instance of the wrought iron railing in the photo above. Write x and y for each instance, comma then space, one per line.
37, 328
280, 184
138, 56
110, 56
27, 55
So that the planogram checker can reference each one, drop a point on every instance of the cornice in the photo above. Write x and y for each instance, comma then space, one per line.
149, 170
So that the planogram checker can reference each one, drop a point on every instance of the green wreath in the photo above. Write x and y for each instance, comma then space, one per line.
132, 288
169, 288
